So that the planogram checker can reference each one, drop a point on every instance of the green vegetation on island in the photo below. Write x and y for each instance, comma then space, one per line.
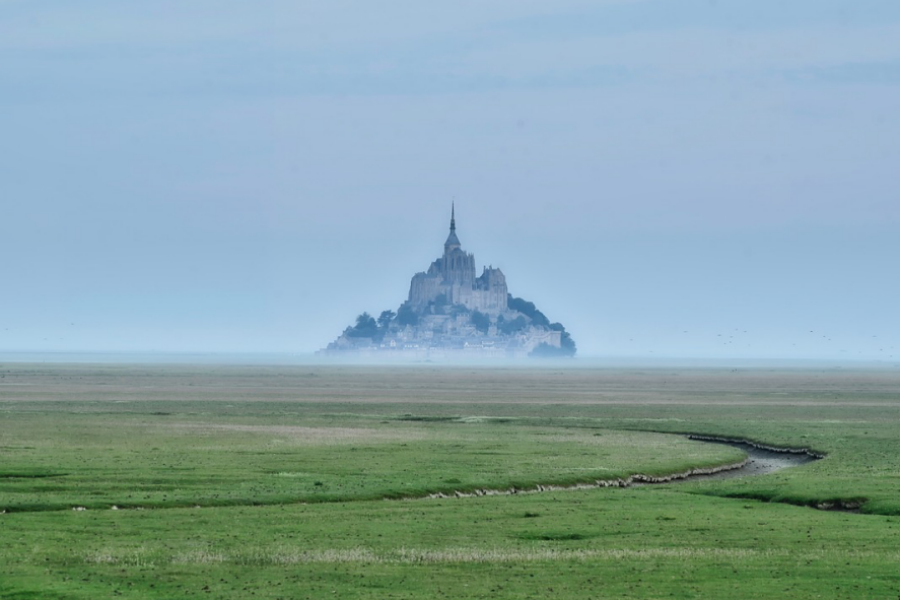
473, 326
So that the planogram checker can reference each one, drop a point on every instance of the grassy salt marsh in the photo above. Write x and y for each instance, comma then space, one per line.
270, 483
56, 462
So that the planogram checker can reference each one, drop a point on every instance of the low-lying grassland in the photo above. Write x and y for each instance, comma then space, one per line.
56, 461
272, 483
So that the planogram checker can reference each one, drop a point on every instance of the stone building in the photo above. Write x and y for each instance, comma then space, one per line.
451, 313
451, 280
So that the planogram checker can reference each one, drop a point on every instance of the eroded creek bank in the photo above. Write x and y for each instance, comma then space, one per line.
761, 460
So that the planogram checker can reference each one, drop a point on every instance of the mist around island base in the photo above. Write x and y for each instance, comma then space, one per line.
314, 358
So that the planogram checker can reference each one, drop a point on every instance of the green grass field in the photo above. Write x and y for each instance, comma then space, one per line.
313, 482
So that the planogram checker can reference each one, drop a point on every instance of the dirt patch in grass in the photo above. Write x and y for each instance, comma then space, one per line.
309, 435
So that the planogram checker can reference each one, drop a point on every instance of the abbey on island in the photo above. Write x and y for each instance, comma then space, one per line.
452, 313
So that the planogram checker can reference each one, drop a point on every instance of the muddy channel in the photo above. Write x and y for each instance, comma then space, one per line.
761, 459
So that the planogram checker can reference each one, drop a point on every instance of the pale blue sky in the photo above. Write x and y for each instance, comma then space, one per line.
687, 178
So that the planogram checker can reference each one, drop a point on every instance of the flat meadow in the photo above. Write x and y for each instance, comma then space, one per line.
313, 481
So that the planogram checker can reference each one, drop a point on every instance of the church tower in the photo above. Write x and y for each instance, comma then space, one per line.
457, 265
452, 242
453, 277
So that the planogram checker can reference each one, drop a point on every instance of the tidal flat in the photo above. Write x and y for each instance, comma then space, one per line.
178, 481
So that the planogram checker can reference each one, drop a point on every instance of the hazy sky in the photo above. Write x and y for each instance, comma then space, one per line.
686, 178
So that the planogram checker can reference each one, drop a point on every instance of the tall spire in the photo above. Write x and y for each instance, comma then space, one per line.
452, 242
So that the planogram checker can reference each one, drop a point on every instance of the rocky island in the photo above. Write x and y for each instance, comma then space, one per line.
451, 313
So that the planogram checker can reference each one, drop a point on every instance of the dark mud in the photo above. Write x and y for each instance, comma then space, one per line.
761, 459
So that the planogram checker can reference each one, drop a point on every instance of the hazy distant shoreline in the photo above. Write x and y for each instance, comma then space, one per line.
311, 359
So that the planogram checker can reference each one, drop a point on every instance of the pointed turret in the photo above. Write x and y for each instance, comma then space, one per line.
452, 242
